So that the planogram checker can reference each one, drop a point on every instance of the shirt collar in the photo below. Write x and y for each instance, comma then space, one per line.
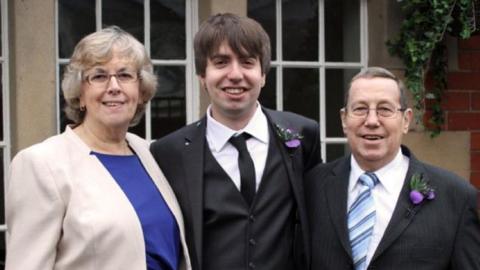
218, 134
381, 173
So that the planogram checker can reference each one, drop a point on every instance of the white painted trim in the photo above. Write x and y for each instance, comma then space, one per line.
192, 87
177, 62
147, 44
6, 143
98, 15
336, 140
317, 64
57, 71
279, 56
364, 33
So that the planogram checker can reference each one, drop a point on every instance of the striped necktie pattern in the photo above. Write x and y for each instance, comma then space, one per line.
361, 219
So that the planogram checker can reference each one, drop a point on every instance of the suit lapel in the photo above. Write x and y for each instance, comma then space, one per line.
405, 211
193, 156
336, 194
292, 160
294, 166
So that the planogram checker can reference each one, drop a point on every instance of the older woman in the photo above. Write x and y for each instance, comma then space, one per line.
93, 197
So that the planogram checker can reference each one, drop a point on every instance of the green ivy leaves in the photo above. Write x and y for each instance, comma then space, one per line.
419, 45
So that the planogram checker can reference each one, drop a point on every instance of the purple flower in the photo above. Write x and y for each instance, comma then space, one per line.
416, 197
289, 136
293, 143
420, 189
431, 195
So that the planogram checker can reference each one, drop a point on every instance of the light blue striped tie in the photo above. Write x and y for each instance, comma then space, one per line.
361, 219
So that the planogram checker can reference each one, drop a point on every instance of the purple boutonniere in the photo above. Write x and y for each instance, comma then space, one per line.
420, 189
289, 137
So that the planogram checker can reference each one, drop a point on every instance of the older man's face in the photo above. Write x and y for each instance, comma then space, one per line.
373, 138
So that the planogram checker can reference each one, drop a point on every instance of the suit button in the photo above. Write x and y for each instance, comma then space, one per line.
251, 218
252, 242
251, 265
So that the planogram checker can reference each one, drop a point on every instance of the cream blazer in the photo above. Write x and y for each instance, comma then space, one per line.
64, 211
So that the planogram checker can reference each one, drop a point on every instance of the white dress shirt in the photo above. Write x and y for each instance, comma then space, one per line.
227, 155
385, 194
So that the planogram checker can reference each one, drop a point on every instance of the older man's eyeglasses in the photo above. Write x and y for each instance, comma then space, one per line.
102, 79
381, 111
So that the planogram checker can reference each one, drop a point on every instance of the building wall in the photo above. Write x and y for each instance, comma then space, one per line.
462, 99
32, 72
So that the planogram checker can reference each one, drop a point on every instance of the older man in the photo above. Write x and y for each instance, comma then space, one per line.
380, 207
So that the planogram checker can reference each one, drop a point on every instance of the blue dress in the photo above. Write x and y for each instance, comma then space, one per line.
160, 229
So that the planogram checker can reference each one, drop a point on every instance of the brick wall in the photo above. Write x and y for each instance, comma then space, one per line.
462, 100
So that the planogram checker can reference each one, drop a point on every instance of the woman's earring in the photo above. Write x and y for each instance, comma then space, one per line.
82, 108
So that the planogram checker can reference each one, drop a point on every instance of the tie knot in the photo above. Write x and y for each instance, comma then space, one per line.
369, 179
239, 141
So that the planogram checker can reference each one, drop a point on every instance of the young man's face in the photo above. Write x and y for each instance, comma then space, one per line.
233, 84
374, 139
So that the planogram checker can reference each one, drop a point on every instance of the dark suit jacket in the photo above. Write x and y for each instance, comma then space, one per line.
181, 154
443, 233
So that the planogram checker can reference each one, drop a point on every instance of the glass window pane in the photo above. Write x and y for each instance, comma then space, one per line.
140, 128
300, 30
127, 14
1, 37
2, 250
268, 94
168, 105
2, 211
336, 83
342, 30
2, 208
301, 91
263, 11
168, 33
335, 151
75, 20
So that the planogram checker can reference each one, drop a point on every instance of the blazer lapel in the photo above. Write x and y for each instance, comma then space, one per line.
405, 211
161, 183
193, 156
336, 194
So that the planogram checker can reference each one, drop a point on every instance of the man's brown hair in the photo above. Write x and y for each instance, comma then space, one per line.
245, 36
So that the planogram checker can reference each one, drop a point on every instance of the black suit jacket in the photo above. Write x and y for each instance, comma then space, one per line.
180, 156
443, 233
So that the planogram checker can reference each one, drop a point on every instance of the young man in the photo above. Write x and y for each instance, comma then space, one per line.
244, 208
380, 207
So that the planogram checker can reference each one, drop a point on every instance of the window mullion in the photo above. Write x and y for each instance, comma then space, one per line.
279, 56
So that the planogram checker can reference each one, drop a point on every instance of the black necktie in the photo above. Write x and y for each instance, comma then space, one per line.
246, 167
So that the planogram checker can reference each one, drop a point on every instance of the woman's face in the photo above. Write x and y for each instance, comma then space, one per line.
110, 94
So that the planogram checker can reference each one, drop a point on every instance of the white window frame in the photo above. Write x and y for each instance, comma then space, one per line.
192, 97
4, 59
321, 65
